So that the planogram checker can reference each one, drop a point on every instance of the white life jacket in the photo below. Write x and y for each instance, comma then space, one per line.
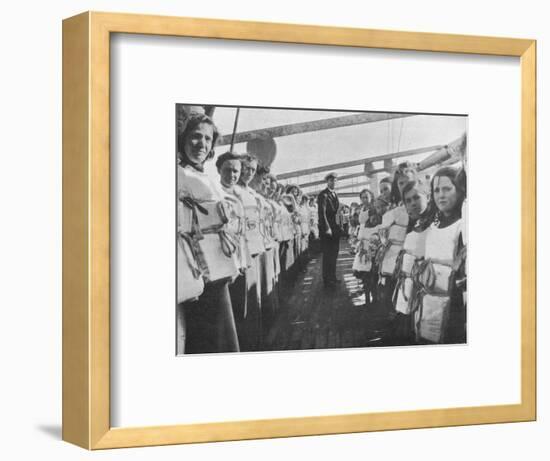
289, 255
252, 207
204, 212
436, 278
366, 245
286, 225
236, 226
304, 220
266, 222
190, 283
413, 250
277, 220
395, 223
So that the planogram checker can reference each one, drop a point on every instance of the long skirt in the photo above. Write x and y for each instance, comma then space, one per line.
269, 290
247, 312
209, 321
401, 332
386, 288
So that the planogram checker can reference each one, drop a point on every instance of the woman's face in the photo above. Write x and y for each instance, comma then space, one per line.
266, 184
401, 181
385, 190
273, 186
415, 202
380, 207
199, 143
248, 170
295, 192
230, 171
444, 194
365, 199
410, 173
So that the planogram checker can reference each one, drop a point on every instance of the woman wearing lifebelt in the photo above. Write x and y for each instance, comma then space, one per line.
202, 222
364, 241
393, 231
415, 198
440, 314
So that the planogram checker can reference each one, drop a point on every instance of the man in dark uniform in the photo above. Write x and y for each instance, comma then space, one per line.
329, 230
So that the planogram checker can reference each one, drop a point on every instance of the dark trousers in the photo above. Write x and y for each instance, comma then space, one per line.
330, 247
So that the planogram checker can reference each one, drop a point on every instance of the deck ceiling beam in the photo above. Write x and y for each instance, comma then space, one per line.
376, 158
340, 178
305, 127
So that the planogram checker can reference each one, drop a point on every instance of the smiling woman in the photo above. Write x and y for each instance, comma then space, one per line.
196, 141
206, 251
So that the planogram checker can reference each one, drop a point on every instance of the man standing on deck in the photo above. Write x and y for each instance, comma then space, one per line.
329, 231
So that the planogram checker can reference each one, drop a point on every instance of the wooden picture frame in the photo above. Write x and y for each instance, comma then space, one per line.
86, 230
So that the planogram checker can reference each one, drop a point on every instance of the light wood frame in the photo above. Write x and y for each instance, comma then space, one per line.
86, 237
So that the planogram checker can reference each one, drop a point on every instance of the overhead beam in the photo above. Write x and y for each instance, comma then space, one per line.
345, 186
305, 127
376, 158
340, 178
358, 184
347, 195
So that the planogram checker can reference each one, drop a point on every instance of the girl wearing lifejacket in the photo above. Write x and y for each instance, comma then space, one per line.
440, 315
296, 193
269, 299
415, 199
305, 229
365, 243
249, 322
204, 212
393, 231
229, 169
289, 231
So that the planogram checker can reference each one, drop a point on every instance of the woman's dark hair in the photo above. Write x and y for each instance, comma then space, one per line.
262, 170
399, 172
225, 157
453, 175
461, 181
248, 157
291, 187
386, 179
193, 122
369, 193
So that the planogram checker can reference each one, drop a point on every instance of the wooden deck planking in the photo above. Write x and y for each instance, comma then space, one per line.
314, 317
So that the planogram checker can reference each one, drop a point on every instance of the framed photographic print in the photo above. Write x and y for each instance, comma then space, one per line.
266, 230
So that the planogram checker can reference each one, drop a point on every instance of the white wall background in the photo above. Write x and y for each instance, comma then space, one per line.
30, 235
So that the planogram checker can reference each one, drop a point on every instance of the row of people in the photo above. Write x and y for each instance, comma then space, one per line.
411, 255
237, 237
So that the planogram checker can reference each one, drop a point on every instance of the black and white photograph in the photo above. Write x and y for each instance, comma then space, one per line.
302, 229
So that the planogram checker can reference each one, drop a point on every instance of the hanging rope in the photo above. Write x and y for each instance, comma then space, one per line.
400, 133
235, 128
